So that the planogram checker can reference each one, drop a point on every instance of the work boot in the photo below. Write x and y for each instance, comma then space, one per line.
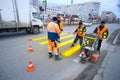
50, 54
57, 57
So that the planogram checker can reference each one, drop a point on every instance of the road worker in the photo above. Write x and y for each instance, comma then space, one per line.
60, 23
102, 32
53, 38
80, 34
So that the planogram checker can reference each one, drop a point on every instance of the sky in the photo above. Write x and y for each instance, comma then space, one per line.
110, 5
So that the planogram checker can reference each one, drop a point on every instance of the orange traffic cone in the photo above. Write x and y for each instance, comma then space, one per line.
30, 50
30, 39
30, 67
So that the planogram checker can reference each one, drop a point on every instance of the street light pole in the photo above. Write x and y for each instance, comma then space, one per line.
71, 1
17, 13
44, 4
0, 17
44, 14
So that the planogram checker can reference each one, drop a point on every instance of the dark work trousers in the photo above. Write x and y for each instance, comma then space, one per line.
76, 39
99, 45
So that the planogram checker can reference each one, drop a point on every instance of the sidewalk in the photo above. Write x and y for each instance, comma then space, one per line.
110, 68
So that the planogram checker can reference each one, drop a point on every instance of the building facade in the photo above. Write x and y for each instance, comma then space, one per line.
108, 16
84, 11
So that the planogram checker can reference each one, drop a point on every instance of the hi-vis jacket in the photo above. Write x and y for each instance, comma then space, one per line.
80, 31
102, 32
53, 31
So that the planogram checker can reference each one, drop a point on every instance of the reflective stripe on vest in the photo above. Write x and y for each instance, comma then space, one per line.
104, 36
81, 31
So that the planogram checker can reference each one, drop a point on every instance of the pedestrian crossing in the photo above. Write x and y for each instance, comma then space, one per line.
65, 43
65, 39
45, 37
40, 38
70, 51
61, 38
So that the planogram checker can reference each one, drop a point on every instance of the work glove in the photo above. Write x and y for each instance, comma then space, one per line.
98, 38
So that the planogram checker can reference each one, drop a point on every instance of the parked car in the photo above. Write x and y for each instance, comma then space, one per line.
87, 23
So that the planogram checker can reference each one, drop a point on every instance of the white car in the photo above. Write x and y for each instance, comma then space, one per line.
87, 23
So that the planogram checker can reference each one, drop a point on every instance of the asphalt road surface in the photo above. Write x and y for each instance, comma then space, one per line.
14, 57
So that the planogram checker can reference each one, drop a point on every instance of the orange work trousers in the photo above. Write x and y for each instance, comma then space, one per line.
53, 47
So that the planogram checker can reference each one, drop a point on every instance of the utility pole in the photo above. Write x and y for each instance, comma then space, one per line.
0, 17
71, 1
44, 4
17, 14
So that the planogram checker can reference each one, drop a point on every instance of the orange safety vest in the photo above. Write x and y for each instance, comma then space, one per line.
61, 24
53, 27
53, 31
80, 31
100, 33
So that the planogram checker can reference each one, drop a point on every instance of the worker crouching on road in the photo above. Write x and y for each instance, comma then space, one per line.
80, 34
53, 38
60, 24
102, 32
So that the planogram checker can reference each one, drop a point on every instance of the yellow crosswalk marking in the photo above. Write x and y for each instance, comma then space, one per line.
40, 38
64, 37
45, 37
70, 51
65, 43
43, 43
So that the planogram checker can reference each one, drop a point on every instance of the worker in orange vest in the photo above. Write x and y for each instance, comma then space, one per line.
53, 38
102, 32
60, 23
80, 34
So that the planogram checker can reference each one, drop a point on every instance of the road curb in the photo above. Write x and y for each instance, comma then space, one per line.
114, 41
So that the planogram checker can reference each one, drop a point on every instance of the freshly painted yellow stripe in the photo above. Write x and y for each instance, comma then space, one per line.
44, 37
65, 43
70, 51
64, 37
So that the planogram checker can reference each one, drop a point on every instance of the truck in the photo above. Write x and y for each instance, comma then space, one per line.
19, 15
